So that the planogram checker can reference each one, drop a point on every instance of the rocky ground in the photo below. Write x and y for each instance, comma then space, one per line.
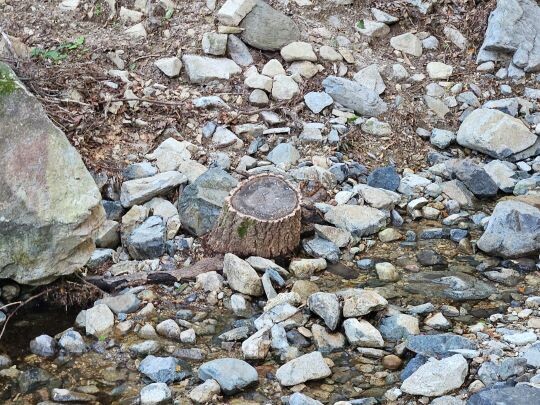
409, 127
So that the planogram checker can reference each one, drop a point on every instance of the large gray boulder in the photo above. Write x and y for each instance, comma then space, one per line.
513, 30
513, 230
50, 205
201, 202
355, 96
268, 29
494, 133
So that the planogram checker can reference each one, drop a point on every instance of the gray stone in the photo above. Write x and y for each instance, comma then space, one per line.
407, 43
72, 342
202, 69
319, 247
32, 379
308, 367
521, 394
147, 241
532, 355
362, 333
155, 394
43, 345
318, 101
284, 154
169, 66
437, 377
238, 51
99, 320
139, 170
371, 78
359, 220
512, 230
398, 327
372, 29
50, 205
241, 276
139, 191
63, 395
201, 202
442, 138
231, 374
355, 96
456, 190
501, 174
486, 131
268, 29
234, 11
384, 177
508, 106
325, 341
300, 399
223, 137
512, 31
284, 88
160, 369
214, 43
358, 302
475, 179
326, 305
439, 345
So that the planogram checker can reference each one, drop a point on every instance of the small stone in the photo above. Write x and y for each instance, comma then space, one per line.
362, 333
155, 394
439, 70
311, 366
407, 43
169, 66
318, 101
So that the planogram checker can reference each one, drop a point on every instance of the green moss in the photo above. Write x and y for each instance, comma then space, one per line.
243, 228
7, 84
22, 259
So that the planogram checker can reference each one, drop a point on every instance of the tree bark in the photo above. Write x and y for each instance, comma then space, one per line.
261, 217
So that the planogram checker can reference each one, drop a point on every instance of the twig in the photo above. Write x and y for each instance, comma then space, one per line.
21, 304
10, 304
145, 57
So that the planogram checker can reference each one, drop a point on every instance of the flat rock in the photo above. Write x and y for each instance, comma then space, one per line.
311, 366
439, 345
437, 377
123, 303
358, 302
355, 96
371, 78
486, 131
160, 369
521, 394
139, 191
231, 374
318, 101
298, 51
202, 69
268, 29
358, 220
407, 43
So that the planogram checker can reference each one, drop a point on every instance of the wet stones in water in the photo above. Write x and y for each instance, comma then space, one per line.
64, 395
343, 271
72, 342
34, 378
231, 374
300, 399
428, 257
384, 177
454, 285
439, 345
44, 346
161, 369
155, 393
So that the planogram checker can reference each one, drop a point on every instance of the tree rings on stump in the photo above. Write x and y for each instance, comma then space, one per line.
261, 216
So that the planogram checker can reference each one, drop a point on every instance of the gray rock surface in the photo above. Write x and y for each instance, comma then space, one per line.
308, 367
147, 241
201, 202
438, 345
202, 69
50, 205
359, 220
513, 30
160, 369
506, 395
355, 96
268, 29
487, 130
139, 191
326, 305
512, 230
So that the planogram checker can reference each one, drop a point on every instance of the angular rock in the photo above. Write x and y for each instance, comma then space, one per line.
241, 276
99, 320
49, 205
268, 29
123, 303
437, 377
169, 66
399, 326
326, 305
155, 394
318, 101
147, 241
43, 345
359, 220
355, 96
361, 333
521, 394
200, 204
232, 375
512, 230
487, 131
308, 367
238, 51
139, 191
439, 345
371, 78
202, 69
358, 302
407, 43
160, 369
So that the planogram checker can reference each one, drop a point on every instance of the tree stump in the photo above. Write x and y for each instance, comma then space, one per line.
261, 216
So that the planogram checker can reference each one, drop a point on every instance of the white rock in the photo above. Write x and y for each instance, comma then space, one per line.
284, 88
298, 51
223, 137
407, 43
330, 54
136, 32
205, 392
311, 366
371, 78
256, 346
99, 320
241, 276
169, 66
437, 377
214, 43
201, 69
258, 81
234, 11
362, 333
439, 70
373, 29
273, 68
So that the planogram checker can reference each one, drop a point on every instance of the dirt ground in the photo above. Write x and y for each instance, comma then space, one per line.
75, 91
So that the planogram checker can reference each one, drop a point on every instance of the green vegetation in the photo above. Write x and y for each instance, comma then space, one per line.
7, 83
58, 53
360, 24
243, 228
169, 13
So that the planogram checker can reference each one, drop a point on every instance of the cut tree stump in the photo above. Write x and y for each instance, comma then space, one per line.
261, 216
